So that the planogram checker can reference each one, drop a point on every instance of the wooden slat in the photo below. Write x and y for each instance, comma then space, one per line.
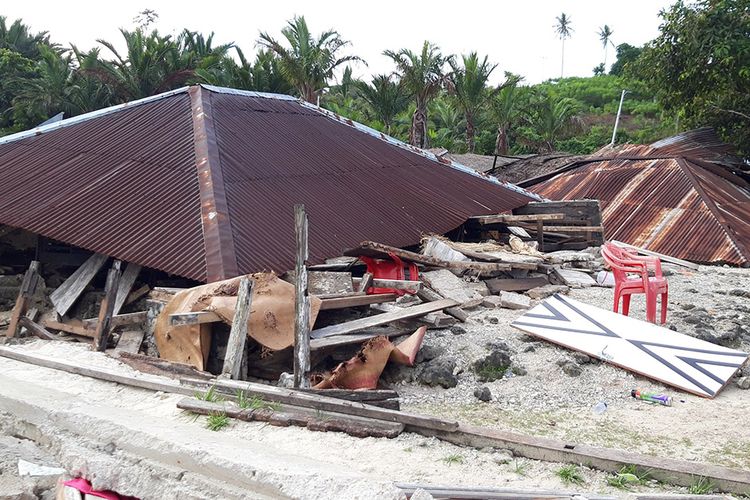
286, 415
380, 319
427, 294
67, 326
238, 333
103, 326
130, 341
358, 300
28, 286
36, 329
119, 320
137, 294
125, 284
408, 285
505, 219
665, 258
362, 395
365, 282
193, 318
498, 285
356, 338
301, 301
569, 229
67, 294
323, 403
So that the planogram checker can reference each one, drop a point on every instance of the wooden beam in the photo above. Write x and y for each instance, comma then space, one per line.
355, 301
665, 258
67, 326
567, 229
323, 403
103, 326
427, 294
301, 302
498, 285
193, 318
486, 493
365, 282
28, 286
314, 420
67, 294
408, 285
137, 294
118, 320
505, 219
130, 341
356, 338
238, 334
125, 284
380, 319
36, 329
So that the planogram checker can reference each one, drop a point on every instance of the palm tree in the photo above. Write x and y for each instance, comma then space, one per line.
605, 36
309, 62
564, 30
422, 76
505, 111
153, 64
18, 38
385, 98
469, 83
552, 119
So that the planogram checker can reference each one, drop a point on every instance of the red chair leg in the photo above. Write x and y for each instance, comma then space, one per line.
625, 304
651, 307
664, 300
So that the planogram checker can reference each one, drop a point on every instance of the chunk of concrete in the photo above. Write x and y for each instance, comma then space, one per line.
450, 286
545, 291
573, 278
492, 301
512, 300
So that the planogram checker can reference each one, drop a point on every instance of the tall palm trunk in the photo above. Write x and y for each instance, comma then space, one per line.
418, 132
470, 133
562, 59
501, 143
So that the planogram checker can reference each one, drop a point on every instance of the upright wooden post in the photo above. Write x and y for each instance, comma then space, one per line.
540, 234
28, 286
101, 336
238, 333
301, 303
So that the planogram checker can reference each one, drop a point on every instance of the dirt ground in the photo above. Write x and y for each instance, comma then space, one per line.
545, 402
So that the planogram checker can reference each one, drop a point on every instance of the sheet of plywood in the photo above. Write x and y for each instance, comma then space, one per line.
675, 359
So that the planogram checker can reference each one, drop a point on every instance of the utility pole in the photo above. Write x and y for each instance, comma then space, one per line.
617, 120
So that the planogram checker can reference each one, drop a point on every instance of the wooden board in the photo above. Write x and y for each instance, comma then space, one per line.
672, 358
498, 285
504, 219
359, 300
380, 319
124, 285
130, 341
66, 294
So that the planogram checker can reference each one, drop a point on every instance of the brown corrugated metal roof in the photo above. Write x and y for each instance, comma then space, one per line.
201, 183
684, 206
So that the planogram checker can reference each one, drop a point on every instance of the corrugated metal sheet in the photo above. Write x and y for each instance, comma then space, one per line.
679, 206
127, 182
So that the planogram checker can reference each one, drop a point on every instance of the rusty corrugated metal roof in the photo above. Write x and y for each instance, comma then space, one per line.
201, 181
670, 197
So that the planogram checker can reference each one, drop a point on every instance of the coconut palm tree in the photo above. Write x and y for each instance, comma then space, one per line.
505, 111
18, 38
422, 76
385, 98
469, 85
564, 30
605, 36
308, 62
552, 119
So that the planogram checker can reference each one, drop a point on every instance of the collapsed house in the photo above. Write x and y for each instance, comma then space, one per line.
685, 196
200, 182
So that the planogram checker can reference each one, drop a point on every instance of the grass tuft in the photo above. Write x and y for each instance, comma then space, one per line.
453, 459
627, 477
570, 474
217, 421
210, 395
701, 486
520, 467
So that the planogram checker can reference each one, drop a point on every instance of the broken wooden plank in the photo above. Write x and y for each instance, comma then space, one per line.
357, 338
661, 256
566, 229
70, 326
157, 366
125, 284
339, 295
380, 319
28, 286
450, 286
67, 294
137, 294
130, 341
408, 285
498, 285
362, 395
193, 318
36, 329
323, 403
505, 219
301, 301
32, 314
572, 278
238, 333
103, 326
358, 300
486, 493
285, 415
119, 320
163, 294
365, 282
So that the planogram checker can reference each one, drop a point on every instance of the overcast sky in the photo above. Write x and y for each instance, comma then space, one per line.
518, 35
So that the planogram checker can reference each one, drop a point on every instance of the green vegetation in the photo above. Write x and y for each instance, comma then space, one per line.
254, 402
217, 421
628, 477
695, 73
520, 467
210, 395
570, 474
453, 459
701, 486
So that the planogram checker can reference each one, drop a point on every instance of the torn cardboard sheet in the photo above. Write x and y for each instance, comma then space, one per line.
271, 321
681, 361
364, 369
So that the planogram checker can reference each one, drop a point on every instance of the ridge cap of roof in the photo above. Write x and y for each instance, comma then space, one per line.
41, 129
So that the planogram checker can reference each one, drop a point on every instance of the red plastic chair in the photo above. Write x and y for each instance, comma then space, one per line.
623, 265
